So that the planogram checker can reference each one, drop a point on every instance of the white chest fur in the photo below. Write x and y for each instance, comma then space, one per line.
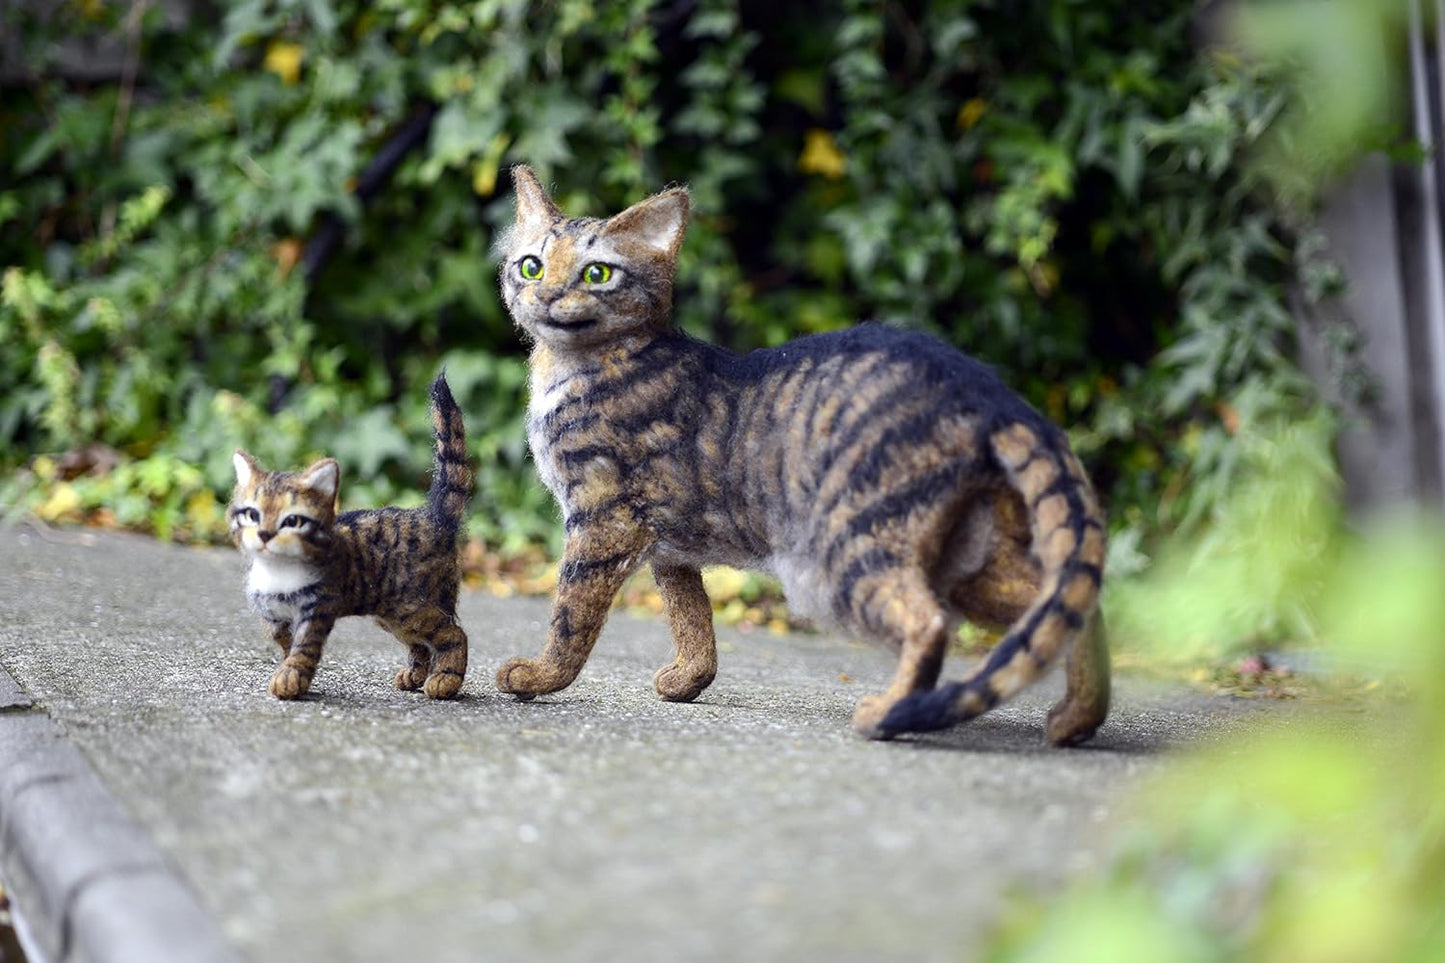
275, 576
278, 588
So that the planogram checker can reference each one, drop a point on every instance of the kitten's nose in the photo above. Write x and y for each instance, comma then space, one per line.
265, 535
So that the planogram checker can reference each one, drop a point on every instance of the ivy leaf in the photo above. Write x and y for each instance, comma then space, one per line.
369, 441
555, 114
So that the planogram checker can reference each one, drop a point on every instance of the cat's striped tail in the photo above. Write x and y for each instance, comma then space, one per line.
1068, 542
451, 480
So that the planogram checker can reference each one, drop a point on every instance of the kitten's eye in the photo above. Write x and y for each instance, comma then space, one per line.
248, 516
295, 521
597, 273
531, 268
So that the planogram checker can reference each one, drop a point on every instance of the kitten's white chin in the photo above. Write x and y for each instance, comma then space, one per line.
278, 575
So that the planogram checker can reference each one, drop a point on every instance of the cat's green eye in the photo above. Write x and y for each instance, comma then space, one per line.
597, 273
295, 521
248, 515
531, 268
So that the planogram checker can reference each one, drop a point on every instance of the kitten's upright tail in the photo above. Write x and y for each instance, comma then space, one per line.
451, 480
1068, 542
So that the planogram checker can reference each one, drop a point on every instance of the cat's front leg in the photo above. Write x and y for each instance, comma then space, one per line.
689, 615
281, 635
595, 563
293, 678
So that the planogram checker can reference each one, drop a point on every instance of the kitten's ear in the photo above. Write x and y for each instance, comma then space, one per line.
659, 221
245, 466
533, 204
324, 478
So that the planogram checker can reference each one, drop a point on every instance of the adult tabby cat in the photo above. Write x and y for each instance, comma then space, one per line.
892, 484
309, 567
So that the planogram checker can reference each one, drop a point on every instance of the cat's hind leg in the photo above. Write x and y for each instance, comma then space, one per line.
898, 606
689, 615
410, 678
999, 595
1086, 695
449, 661
438, 649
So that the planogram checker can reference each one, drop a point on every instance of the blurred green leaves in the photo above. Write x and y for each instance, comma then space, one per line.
1261, 571
1316, 836
1344, 57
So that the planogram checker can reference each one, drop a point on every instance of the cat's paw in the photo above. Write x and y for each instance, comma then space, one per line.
443, 685
869, 715
290, 682
521, 678
1070, 723
677, 682
410, 679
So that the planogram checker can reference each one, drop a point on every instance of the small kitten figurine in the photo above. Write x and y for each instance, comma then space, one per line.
892, 484
309, 567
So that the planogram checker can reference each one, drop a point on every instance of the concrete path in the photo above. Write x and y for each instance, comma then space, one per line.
213, 821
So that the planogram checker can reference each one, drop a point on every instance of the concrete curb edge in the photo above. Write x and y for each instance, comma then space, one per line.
89, 882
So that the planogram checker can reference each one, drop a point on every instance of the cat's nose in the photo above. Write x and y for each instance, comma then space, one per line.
265, 535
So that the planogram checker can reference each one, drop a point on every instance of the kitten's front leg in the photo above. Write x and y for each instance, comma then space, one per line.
689, 615
281, 635
595, 563
293, 678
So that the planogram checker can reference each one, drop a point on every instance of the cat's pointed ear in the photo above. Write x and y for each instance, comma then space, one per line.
659, 221
324, 478
533, 204
245, 466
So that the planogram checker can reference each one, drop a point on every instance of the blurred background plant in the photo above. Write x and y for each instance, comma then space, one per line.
267, 223
1314, 835
1305, 837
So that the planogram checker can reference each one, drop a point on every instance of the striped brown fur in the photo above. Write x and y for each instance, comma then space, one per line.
309, 566
892, 484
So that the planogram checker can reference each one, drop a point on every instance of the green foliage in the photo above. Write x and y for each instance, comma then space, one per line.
1259, 573
200, 256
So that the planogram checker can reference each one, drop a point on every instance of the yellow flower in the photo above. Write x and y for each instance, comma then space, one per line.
971, 113
821, 155
284, 60
484, 172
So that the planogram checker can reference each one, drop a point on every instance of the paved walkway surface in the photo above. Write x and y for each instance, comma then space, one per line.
156, 802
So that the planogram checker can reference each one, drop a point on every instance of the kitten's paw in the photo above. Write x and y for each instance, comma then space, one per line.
677, 682
410, 679
869, 715
443, 685
521, 678
290, 682
1071, 723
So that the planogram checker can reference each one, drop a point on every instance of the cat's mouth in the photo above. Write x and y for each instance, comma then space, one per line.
581, 325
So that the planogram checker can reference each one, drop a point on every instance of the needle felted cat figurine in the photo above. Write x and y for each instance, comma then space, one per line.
309, 566
892, 484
